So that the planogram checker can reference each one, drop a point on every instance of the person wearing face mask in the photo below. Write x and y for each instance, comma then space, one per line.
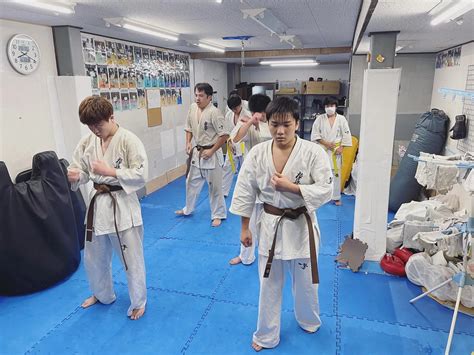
331, 131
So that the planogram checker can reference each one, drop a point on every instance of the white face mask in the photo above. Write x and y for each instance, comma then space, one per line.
330, 110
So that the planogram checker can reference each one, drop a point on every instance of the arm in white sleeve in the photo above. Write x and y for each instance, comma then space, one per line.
246, 188
346, 134
134, 177
78, 163
316, 130
320, 191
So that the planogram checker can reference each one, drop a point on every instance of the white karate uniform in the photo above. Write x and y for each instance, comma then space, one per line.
127, 155
253, 137
309, 167
206, 131
228, 174
339, 133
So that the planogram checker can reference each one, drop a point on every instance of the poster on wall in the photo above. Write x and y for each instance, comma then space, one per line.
133, 100
91, 71
163, 97
88, 51
113, 78
141, 98
119, 66
103, 79
125, 98
100, 52
449, 58
116, 101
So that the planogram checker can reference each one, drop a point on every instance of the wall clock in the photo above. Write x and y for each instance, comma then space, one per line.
23, 54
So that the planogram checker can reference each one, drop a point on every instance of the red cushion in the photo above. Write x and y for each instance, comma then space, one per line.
403, 254
392, 264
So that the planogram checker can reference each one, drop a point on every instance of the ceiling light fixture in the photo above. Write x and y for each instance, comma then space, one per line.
453, 12
211, 47
295, 64
141, 27
56, 7
270, 22
287, 61
219, 1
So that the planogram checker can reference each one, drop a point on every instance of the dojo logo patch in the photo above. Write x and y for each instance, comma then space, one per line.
298, 178
118, 163
206, 125
330, 180
303, 265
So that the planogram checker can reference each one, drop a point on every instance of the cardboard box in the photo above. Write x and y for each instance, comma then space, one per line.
322, 87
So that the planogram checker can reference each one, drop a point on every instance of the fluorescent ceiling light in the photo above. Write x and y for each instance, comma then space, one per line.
211, 47
295, 65
57, 7
453, 12
287, 61
219, 1
137, 26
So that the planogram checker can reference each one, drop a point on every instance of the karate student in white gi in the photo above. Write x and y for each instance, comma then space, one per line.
234, 152
206, 125
292, 177
252, 131
331, 131
115, 160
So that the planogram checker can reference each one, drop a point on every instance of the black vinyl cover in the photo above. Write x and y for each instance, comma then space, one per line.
429, 137
78, 204
38, 238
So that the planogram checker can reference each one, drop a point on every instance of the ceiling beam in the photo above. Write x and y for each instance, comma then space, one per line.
272, 53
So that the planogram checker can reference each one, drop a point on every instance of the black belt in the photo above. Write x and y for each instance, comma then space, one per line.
293, 214
200, 148
104, 189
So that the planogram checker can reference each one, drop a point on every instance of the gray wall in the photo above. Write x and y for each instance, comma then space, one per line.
415, 91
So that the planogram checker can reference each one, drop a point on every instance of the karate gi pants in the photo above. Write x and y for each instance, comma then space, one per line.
228, 174
305, 296
195, 182
98, 264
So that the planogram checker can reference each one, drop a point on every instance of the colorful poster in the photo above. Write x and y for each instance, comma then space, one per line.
133, 100
449, 58
137, 52
106, 94
129, 52
180, 97
169, 100
103, 78
145, 54
132, 79
125, 98
88, 51
116, 102
141, 98
113, 78
100, 52
147, 80
174, 97
112, 58
121, 54
161, 79
140, 79
123, 78
173, 79
163, 97
91, 71
154, 81
153, 55
457, 56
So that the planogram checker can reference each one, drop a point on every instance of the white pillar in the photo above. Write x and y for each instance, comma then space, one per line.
378, 114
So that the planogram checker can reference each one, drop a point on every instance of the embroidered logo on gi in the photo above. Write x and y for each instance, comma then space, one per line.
330, 180
124, 247
298, 178
303, 265
206, 125
118, 163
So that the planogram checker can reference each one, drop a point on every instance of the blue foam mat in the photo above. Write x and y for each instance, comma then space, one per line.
199, 304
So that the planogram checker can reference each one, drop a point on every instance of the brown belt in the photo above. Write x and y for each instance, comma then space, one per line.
292, 214
200, 148
104, 189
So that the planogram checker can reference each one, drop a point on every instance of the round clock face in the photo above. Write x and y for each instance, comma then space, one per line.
23, 54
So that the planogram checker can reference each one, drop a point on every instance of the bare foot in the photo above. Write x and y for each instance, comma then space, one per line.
235, 261
338, 203
137, 313
89, 302
256, 347
179, 212
216, 222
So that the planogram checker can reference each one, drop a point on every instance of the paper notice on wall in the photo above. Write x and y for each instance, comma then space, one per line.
180, 138
153, 98
167, 143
